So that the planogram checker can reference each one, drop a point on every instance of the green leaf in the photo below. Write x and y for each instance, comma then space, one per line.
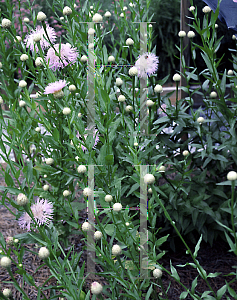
109, 229
149, 293
183, 295
174, 272
197, 247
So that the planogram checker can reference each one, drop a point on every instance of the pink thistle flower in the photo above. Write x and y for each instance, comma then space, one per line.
29, 39
42, 211
67, 55
85, 136
147, 64
55, 87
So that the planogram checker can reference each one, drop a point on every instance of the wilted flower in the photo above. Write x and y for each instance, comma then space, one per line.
96, 288
29, 39
146, 64
95, 135
67, 55
55, 88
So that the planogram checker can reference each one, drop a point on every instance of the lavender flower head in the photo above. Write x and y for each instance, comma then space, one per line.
85, 136
67, 55
147, 64
42, 211
29, 39
55, 88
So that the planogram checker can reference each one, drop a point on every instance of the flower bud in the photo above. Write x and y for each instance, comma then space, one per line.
22, 83
158, 89
43, 253
128, 108
39, 61
87, 192
41, 16
107, 14
182, 34
5, 262
213, 95
22, 103
97, 18
24, 57
46, 187
121, 98
206, 9
116, 250
67, 11
133, 71
7, 293
185, 153
176, 77
49, 161
86, 226
190, 34
117, 207
96, 288
98, 235
66, 111
119, 81
22, 199
157, 273
6, 23
232, 175
108, 198
111, 58
149, 179
81, 169
129, 42
84, 58
150, 103
200, 120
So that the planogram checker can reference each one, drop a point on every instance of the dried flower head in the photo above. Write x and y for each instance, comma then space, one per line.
67, 55
146, 64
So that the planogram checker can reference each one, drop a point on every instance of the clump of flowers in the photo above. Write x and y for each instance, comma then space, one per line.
67, 55
147, 64
42, 211
39, 31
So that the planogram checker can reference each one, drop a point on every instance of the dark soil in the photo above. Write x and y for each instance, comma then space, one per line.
212, 259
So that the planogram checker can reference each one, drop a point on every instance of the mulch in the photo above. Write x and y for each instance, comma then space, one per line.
212, 259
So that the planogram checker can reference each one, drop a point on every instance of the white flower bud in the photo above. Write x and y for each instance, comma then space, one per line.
37, 37
125, 8
111, 58
5, 262
22, 103
107, 14
216, 26
150, 190
213, 95
133, 71
128, 108
232, 175
122, 15
97, 18
86, 226
149, 179
45, 176
81, 169
96, 288
66, 111
182, 34
233, 37
129, 42
158, 89
91, 46
66, 193
46, 187
87, 192
200, 120
43, 253
230, 72
157, 273
26, 20
98, 235
22, 83
117, 207
39, 61
91, 31
7, 293
84, 58
108, 198
150, 103
22, 199
191, 8
19, 39
67, 11
79, 115
206, 9
190, 34
24, 57
127, 224
119, 81
162, 169
38, 129
176, 77
121, 98
1, 100
135, 144
6, 23
16, 241
185, 153
116, 250
41, 16
49, 161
